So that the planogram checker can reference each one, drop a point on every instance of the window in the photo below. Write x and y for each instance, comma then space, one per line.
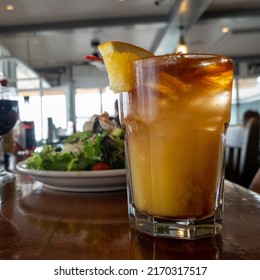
43, 105
108, 101
245, 96
89, 102
31, 110
53, 106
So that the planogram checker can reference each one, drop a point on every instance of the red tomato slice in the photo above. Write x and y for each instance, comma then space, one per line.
100, 166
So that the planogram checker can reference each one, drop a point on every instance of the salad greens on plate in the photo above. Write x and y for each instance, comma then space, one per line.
96, 149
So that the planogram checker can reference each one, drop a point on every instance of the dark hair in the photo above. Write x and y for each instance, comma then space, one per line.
250, 114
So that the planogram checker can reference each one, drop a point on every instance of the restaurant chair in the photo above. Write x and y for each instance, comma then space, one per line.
255, 184
241, 158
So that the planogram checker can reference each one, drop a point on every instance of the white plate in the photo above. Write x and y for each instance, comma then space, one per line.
78, 181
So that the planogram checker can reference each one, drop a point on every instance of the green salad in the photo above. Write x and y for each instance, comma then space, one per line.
87, 150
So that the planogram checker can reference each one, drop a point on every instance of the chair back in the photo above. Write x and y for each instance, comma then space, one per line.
241, 158
255, 184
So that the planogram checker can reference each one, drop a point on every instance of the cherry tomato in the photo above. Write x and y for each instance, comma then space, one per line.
101, 166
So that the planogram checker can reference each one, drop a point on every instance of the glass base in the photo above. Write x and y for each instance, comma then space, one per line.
189, 229
6, 176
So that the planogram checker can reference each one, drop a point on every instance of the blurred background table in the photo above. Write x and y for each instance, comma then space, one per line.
38, 223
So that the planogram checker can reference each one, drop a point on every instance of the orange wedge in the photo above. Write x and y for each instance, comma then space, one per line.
118, 58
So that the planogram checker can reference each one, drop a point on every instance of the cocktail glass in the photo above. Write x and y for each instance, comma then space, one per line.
175, 120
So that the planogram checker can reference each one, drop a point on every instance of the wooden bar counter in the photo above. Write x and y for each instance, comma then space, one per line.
39, 223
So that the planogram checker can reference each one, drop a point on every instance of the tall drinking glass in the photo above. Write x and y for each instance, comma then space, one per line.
8, 118
175, 121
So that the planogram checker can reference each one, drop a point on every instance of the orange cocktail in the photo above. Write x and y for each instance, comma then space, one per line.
175, 119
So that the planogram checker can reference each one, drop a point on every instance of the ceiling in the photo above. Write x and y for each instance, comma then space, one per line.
51, 34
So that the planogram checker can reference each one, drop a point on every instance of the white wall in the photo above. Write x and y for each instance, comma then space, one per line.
89, 76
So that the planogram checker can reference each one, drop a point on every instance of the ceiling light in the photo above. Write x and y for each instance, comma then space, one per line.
181, 46
225, 30
9, 7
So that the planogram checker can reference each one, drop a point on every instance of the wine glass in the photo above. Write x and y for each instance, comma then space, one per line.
8, 117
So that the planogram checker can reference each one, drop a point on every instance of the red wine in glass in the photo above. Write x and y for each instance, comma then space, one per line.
8, 118
8, 115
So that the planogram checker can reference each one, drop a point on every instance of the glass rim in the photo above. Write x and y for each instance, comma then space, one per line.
166, 58
7, 88
10, 93
12, 90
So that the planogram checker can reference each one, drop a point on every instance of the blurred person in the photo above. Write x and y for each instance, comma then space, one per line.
116, 114
250, 114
